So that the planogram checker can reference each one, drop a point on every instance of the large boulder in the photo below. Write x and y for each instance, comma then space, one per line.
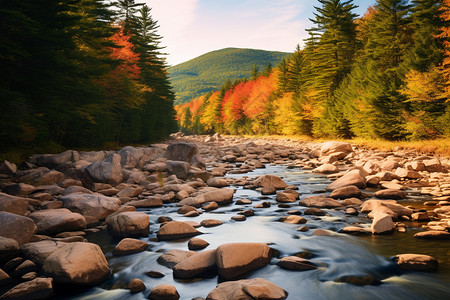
181, 152
107, 171
16, 227
382, 223
220, 196
52, 221
249, 289
320, 201
13, 204
417, 262
38, 288
433, 235
53, 160
96, 206
394, 209
173, 257
176, 230
354, 177
345, 192
138, 157
39, 251
129, 223
178, 168
9, 248
195, 265
40, 176
270, 181
130, 246
77, 263
235, 259
332, 147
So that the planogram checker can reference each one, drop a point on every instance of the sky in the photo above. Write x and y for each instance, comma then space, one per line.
191, 28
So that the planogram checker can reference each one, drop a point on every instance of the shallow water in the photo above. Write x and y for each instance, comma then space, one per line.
338, 255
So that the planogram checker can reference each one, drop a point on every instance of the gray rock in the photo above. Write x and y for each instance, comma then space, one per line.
138, 157
16, 227
96, 206
13, 204
220, 196
178, 168
107, 171
52, 221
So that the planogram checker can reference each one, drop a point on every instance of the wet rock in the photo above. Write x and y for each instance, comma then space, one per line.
390, 194
356, 230
16, 227
352, 202
211, 206
268, 191
39, 288
323, 232
136, 286
9, 248
396, 210
195, 265
176, 230
164, 292
382, 223
39, 251
77, 263
354, 177
303, 229
293, 219
197, 244
270, 181
149, 202
326, 169
239, 218
217, 182
52, 221
107, 171
359, 280
96, 206
416, 262
296, 263
155, 274
351, 211
130, 223
433, 235
249, 289
220, 196
186, 208
210, 223
13, 204
420, 217
130, 246
243, 202
283, 197
320, 201
173, 257
346, 192
235, 259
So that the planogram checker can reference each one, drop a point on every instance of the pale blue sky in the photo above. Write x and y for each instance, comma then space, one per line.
193, 27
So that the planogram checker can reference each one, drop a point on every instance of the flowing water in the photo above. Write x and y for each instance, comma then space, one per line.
338, 256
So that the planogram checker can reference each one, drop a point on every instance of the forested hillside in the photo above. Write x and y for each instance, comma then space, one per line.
81, 73
384, 75
207, 72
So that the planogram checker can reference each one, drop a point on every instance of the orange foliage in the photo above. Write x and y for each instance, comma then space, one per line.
125, 52
445, 35
257, 100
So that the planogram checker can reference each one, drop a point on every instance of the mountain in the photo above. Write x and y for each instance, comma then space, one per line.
207, 72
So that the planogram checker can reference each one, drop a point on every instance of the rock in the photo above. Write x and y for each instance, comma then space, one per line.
235, 259
211, 206
293, 219
197, 244
176, 230
38, 288
164, 292
351, 211
328, 148
239, 218
314, 211
283, 197
390, 194
181, 152
178, 168
25, 267
323, 232
39, 251
129, 223
268, 191
129, 246
326, 169
359, 280
249, 289
19, 189
217, 182
52, 221
352, 202
416, 262
210, 223
404, 173
149, 202
77, 263
320, 201
433, 235
185, 209
346, 192
195, 265
136, 286
12, 204
243, 202
396, 209
8, 168
9, 248
433, 165
16, 227
354, 177
356, 230
296, 263
130, 192
390, 165
382, 223
220, 196
270, 181
173, 257
96, 206
420, 217
131, 157
4, 278
107, 171
40, 176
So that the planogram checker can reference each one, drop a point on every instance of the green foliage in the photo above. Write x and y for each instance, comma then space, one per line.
205, 73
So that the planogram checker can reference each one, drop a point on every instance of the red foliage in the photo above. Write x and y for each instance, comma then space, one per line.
125, 52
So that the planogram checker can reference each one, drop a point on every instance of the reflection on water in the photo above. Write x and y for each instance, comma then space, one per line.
338, 255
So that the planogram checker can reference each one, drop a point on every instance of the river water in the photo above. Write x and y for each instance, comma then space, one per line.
338, 256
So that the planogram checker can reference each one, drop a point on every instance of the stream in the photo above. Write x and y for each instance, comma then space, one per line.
337, 256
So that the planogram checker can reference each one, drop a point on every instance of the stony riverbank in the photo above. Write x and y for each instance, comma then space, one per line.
50, 204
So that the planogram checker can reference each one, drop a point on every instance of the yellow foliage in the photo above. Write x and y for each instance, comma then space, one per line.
284, 116
424, 87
